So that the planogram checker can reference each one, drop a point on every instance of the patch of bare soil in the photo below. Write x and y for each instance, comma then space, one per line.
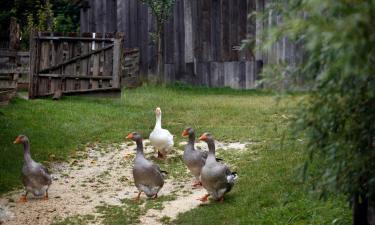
98, 176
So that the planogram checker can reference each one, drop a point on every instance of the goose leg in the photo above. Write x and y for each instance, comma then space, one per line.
204, 198
46, 196
221, 200
160, 156
155, 196
197, 184
23, 198
136, 199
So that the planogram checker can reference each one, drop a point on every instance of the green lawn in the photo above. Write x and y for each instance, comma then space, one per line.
269, 190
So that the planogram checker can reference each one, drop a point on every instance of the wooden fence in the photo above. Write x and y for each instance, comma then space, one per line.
201, 36
74, 64
130, 70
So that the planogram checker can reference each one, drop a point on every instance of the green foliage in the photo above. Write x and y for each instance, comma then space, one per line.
48, 15
339, 114
161, 9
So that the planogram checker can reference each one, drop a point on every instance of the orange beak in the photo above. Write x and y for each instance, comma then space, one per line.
130, 136
185, 133
203, 137
17, 141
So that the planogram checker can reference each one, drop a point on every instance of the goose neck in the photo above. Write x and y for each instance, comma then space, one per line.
211, 149
139, 147
191, 139
26, 152
158, 122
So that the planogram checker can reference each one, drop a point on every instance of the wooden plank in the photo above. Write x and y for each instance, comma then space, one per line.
259, 29
73, 76
88, 39
250, 75
217, 74
133, 23
68, 68
206, 32
116, 63
74, 59
169, 73
179, 29
203, 72
144, 39
233, 35
44, 55
216, 30
197, 30
242, 27
169, 45
228, 71
95, 64
82, 91
226, 48
84, 64
188, 24
33, 61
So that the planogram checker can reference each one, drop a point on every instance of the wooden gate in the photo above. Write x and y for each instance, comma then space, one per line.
74, 64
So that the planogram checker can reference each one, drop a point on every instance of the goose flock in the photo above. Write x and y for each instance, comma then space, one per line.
209, 171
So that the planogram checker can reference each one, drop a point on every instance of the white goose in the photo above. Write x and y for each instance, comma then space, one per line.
160, 138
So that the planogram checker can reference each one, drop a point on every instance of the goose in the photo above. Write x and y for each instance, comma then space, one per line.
35, 177
193, 159
148, 177
216, 177
160, 138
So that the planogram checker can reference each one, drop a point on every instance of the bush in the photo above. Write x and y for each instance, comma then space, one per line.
338, 117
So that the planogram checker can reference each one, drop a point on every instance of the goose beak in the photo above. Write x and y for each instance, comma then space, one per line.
17, 141
185, 133
203, 137
130, 136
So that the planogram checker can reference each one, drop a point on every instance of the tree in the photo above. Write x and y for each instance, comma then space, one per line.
162, 10
45, 15
338, 115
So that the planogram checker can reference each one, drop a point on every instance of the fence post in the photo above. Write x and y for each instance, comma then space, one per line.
117, 49
32, 64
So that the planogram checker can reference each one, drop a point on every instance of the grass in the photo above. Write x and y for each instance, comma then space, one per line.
268, 191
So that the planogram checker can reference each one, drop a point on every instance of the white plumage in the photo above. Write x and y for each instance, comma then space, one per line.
160, 138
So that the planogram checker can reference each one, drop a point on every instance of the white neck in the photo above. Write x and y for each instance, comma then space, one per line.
158, 122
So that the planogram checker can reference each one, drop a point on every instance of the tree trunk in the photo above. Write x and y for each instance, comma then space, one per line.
159, 61
360, 209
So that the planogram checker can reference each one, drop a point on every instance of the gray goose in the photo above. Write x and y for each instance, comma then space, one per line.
148, 177
193, 158
216, 177
35, 177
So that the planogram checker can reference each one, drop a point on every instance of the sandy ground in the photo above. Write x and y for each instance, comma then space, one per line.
100, 175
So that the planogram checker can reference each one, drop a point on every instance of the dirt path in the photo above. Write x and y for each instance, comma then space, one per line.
100, 176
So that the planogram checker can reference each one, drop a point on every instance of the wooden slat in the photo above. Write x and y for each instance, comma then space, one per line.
73, 76
116, 63
33, 58
74, 39
96, 51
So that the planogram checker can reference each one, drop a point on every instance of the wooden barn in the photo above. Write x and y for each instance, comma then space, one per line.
201, 40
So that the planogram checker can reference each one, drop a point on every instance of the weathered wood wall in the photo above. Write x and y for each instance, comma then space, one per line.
201, 40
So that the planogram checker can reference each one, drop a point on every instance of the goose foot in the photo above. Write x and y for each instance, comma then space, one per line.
23, 199
46, 196
197, 184
160, 156
204, 198
136, 199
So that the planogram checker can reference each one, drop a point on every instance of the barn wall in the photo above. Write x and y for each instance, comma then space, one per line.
201, 40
